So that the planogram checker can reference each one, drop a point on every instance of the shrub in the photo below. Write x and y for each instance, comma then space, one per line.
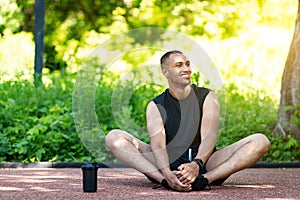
37, 123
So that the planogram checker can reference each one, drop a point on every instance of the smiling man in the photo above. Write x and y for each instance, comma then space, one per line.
183, 127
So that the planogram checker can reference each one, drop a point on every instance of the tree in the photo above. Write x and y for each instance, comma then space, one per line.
67, 22
290, 88
11, 17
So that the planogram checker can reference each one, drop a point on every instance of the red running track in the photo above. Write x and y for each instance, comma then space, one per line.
126, 183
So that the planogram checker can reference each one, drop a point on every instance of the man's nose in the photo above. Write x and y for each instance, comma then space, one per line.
186, 67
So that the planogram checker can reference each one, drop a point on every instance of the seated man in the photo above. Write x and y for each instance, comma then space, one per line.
183, 126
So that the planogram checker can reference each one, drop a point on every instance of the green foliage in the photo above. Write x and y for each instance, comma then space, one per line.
11, 18
246, 38
22, 46
37, 123
283, 149
253, 113
244, 113
68, 22
296, 115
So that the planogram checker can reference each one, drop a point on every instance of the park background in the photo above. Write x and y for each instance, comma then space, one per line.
248, 40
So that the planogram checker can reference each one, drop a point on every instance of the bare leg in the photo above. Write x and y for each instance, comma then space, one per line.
133, 152
237, 156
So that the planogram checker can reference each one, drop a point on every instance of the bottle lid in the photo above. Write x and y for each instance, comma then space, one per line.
90, 166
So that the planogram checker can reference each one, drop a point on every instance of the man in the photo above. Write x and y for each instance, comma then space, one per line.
183, 125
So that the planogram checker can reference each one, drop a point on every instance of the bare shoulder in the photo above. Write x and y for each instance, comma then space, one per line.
152, 108
155, 124
211, 100
152, 112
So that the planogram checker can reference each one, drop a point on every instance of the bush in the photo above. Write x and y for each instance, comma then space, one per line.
37, 123
253, 111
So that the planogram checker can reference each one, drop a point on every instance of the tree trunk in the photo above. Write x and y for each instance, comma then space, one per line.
290, 86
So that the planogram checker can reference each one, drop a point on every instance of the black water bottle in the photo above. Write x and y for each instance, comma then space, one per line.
89, 172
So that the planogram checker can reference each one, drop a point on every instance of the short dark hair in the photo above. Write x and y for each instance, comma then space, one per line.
167, 55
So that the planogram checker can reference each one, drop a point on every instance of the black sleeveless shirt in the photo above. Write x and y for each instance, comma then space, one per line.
182, 120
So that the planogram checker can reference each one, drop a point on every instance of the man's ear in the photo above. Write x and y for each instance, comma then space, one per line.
165, 72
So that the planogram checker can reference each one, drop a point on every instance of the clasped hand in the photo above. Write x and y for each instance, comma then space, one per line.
182, 178
187, 173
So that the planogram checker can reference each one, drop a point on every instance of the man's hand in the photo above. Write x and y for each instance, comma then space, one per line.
176, 184
187, 173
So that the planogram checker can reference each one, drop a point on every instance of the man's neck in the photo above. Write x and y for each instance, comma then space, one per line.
180, 92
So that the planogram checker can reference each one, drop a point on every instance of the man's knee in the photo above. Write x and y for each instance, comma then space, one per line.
113, 138
262, 142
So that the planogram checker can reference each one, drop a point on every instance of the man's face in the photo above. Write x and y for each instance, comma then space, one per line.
178, 70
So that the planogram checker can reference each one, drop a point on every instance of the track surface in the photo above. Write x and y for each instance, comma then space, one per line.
126, 183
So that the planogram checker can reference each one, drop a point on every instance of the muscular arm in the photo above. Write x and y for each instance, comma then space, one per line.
157, 138
158, 146
209, 126
209, 132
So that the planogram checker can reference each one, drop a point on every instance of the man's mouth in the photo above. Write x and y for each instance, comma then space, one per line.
186, 76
